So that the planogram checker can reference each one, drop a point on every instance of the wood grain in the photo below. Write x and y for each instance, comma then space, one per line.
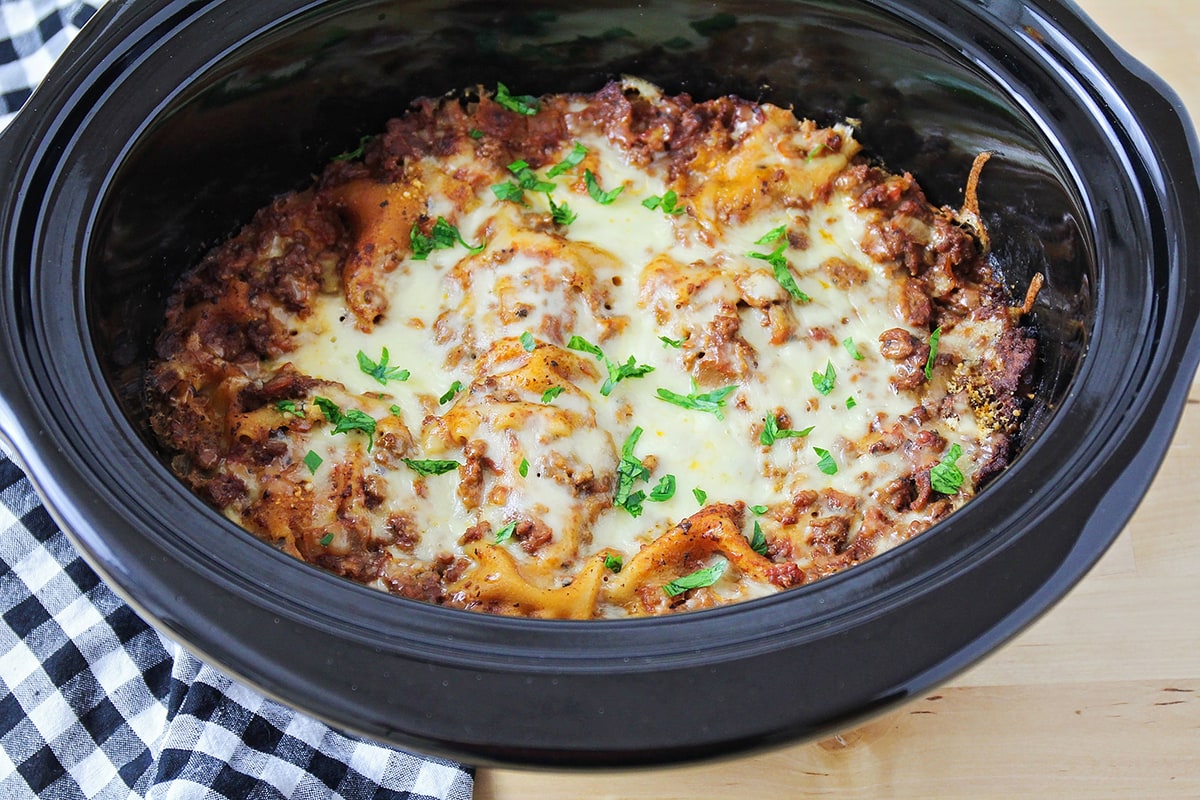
1099, 699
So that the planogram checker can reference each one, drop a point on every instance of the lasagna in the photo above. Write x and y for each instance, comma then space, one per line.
594, 355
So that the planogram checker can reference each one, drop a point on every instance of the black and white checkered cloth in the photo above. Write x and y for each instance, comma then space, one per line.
93, 701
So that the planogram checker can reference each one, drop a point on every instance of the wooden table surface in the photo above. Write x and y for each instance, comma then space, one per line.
1099, 699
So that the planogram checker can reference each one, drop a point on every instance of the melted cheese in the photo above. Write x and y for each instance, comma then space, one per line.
766, 284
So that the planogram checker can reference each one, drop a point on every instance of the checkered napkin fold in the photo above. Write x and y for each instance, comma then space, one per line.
94, 702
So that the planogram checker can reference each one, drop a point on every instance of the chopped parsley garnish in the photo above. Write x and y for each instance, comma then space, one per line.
851, 403
613, 563
816, 151
773, 235
527, 342
823, 382
395, 409
573, 159
505, 533
509, 191
560, 214
527, 179
312, 461
619, 372
668, 203
596, 193
442, 236
934, 338
584, 346
771, 431
852, 348
826, 464
664, 490
669, 342
521, 104
783, 274
946, 477
381, 371
700, 495
326, 539
759, 510
352, 420
706, 576
475, 133
551, 393
356, 153
290, 407
629, 471
429, 466
454, 389
759, 543
711, 402
524, 468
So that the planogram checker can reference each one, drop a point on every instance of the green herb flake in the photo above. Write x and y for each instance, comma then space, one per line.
668, 203
454, 389
771, 431
669, 342
525, 104
816, 151
395, 409
759, 510
946, 477
356, 153
572, 160
527, 342
551, 393
714, 24
613, 563
352, 420
934, 338
290, 407
710, 402
629, 471
619, 372
852, 348
560, 214
381, 372
773, 235
584, 346
509, 191
527, 179
823, 382
759, 543
783, 273
706, 576
326, 540
664, 490
850, 403
312, 461
429, 466
596, 193
442, 236
475, 133
826, 464
505, 533
700, 495
524, 468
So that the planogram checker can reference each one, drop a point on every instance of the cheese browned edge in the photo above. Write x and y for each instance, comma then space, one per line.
261, 357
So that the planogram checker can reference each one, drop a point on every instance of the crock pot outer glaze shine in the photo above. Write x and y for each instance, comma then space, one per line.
167, 123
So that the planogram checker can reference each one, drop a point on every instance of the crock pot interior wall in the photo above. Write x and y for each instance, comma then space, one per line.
271, 113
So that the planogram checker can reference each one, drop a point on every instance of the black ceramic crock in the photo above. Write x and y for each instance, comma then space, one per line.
167, 123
